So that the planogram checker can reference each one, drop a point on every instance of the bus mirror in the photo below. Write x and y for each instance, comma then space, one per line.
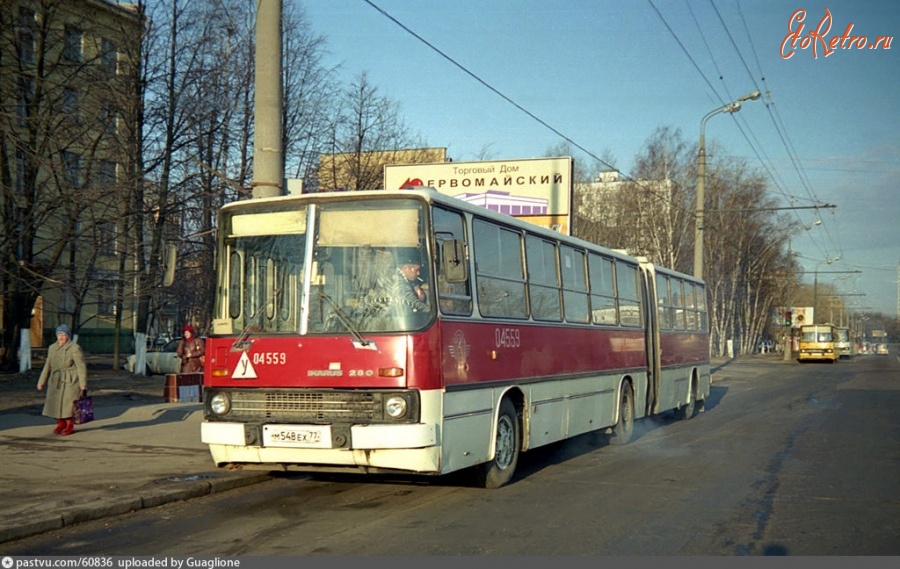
453, 253
169, 265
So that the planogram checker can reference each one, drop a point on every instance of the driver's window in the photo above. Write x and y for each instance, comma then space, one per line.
453, 298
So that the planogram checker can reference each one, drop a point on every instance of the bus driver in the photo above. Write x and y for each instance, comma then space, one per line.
399, 293
407, 289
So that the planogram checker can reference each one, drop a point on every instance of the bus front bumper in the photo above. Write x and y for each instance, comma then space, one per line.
816, 355
411, 448
363, 437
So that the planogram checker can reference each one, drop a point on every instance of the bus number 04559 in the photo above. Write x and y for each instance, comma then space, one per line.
270, 358
507, 337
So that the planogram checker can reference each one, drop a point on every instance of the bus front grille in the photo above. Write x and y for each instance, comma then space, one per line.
306, 406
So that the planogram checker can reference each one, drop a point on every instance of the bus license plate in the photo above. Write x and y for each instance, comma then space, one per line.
298, 436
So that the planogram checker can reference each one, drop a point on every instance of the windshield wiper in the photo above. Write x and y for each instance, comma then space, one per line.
241, 342
344, 319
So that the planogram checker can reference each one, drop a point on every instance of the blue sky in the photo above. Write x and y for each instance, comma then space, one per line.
607, 73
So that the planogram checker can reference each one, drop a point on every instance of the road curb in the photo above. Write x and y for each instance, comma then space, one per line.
41, 523
165, 492
101, 508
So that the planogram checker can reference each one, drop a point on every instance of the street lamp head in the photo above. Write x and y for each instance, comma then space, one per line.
751, 97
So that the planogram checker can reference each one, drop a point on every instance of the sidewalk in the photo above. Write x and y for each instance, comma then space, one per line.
139, 452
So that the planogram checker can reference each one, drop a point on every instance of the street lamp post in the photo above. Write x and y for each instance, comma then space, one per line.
788, 336
701, 175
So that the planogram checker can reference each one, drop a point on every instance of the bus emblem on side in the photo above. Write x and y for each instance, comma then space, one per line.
244, 368
459, 351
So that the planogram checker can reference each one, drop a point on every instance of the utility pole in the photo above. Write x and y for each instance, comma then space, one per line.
268, 156
788, 341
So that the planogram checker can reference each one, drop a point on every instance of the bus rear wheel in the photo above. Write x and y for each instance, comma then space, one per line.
623, 430
508, 445
687, 410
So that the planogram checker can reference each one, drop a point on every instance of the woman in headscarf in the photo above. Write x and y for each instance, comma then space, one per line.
65, 375
190, 350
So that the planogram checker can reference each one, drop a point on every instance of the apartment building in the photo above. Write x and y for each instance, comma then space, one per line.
68, 128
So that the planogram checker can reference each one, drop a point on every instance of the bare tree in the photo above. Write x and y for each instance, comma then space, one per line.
309, 91
647, 213
744, 238
199, 64
660, 199
165, 82
652, 214
220, 127
366, 131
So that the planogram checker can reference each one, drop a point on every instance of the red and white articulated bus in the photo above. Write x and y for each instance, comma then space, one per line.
525, 337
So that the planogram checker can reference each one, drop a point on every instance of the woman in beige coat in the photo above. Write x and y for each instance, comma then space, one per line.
65, 375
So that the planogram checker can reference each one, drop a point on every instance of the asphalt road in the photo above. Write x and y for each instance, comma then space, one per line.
787, 459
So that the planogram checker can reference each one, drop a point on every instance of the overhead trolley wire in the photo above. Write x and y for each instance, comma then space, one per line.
764, 160
779, 124
778, 128
651, 192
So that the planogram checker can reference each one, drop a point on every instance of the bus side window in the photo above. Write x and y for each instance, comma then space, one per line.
702, 316
603, 290
679, 304
575, 295
690, 307
664, 307
630, 312
453, 297
499, 268
543, 279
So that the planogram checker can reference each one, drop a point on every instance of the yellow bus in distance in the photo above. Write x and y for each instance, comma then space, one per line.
817, 343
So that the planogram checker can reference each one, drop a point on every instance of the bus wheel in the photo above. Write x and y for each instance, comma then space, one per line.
686, 411
499, 471
624, 427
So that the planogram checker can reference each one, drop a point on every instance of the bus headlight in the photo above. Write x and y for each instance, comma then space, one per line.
395, 406
220, 404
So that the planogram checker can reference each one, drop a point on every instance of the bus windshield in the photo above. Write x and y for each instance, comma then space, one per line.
817, 335
366, 268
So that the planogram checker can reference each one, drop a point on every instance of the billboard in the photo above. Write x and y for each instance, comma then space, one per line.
800, 315
538, 190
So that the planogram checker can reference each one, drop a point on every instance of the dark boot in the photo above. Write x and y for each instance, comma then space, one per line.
69, 429
60, 425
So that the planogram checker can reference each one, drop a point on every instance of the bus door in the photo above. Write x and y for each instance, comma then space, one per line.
651, 331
